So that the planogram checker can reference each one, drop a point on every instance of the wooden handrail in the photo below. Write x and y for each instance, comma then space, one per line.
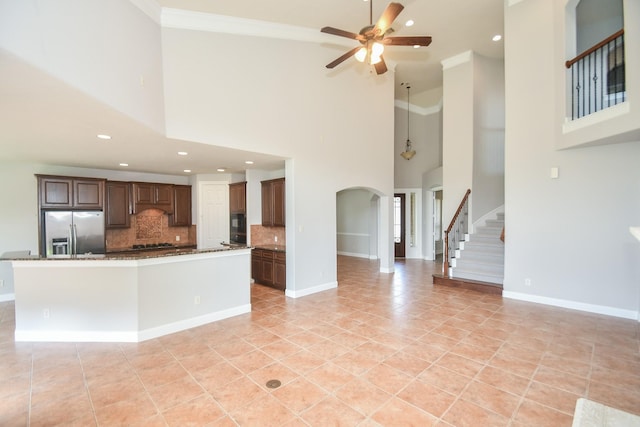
445, 260
592, 49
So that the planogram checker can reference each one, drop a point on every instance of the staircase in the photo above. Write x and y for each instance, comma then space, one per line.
480, 256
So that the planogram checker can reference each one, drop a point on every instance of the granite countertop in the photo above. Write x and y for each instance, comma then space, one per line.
275, 248
133, 254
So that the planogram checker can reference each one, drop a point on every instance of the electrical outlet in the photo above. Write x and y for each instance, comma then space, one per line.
45, 313
527, 282
275, 238
1, 283
177, 238
196, 300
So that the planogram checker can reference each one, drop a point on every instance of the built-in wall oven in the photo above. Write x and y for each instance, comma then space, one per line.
238, 229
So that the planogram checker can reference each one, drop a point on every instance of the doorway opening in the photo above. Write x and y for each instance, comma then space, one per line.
399, 225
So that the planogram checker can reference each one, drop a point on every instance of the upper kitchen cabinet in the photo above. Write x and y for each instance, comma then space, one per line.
148, 195
238, 197
117, 204
273, 202
61, 192
181, 206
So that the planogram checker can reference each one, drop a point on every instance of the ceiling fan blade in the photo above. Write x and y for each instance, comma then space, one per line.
407, 41
380, 67
341, 33
343, 57
388, 16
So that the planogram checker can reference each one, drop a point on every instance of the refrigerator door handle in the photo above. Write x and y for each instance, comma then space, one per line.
74, 237
70, 246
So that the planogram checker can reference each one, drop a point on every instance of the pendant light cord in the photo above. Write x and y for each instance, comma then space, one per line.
408, 113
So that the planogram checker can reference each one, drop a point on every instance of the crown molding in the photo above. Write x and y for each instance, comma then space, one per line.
209, 22
423, 111
454, 61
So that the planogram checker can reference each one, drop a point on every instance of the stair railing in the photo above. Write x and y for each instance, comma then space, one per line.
454, 234
598, 77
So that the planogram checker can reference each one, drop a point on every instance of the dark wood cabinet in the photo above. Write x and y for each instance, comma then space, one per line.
70, 193
117, 204
181, 206
269, 268
238, 197
148, 195
273, 203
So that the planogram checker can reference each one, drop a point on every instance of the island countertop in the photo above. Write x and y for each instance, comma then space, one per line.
130, 254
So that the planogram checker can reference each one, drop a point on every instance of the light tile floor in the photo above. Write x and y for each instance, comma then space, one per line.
380, 350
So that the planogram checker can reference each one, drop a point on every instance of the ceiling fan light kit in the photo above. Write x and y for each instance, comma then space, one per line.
374, 37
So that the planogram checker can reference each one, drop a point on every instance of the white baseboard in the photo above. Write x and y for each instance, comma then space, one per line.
308, 291
591, 308
194, 322
7, 297
127, 336
355, 255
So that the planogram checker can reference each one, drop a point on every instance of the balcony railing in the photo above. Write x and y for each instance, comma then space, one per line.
597, 77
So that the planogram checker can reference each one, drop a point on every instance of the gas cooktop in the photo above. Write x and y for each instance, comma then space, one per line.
153, 246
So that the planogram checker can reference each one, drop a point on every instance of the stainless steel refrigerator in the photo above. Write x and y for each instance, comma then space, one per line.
73, 233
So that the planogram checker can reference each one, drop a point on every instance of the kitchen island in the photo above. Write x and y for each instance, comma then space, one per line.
131, 297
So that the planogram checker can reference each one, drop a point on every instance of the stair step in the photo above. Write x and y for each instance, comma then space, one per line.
495, 269
484, 246
484, 256
490, 278
488, 230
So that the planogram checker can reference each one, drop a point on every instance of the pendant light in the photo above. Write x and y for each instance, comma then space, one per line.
408, 153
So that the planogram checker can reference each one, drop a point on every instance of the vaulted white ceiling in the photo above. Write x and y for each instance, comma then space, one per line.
43, 120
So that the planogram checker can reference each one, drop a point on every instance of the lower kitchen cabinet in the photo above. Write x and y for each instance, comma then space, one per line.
268, 267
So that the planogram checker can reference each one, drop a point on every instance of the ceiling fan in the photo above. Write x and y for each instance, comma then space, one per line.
374, 37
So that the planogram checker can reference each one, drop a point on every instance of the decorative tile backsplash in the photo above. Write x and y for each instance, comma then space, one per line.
148, 227
261, 235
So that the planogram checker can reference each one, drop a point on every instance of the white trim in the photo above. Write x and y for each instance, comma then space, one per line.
7, 297
454, 61
312, 290
423, 111
128, 336
592, 308
513, 2
597, 117
193, 322
201, 21
342, 233
356, 255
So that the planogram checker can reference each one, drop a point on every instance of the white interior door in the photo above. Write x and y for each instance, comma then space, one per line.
213, 227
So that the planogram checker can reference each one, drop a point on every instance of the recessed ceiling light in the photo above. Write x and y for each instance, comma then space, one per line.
416, 46
124, 165
409, 23
496, 38
182, 153
187, 170
249, 162
103, 136
221, 169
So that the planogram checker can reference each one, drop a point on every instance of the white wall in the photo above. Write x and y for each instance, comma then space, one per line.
569, 235
457, 131
356, 223
278, 98
488, 143
597, 20
425, 140
109, 50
